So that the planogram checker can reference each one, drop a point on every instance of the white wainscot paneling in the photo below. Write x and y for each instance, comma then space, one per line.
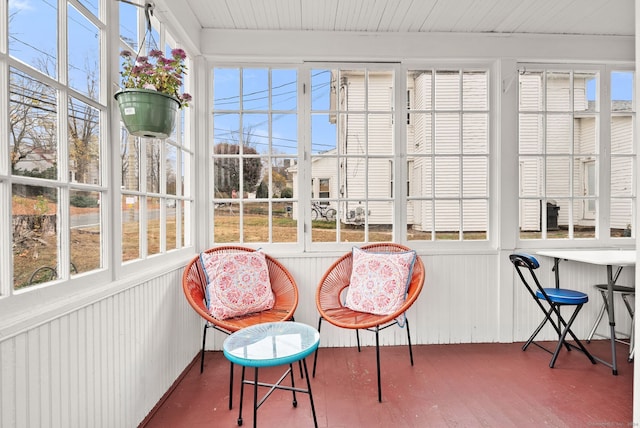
106, 364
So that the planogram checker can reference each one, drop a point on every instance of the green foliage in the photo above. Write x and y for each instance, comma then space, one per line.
83, 201
287, 192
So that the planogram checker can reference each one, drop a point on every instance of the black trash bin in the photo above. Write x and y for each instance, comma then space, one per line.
552, 216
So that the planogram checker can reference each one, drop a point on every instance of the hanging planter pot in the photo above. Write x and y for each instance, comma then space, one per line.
147, 113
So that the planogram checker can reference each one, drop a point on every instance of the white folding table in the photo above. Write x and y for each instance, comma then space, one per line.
608, 258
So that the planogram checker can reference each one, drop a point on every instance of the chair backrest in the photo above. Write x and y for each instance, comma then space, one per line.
338, 276
527, 262
283, 285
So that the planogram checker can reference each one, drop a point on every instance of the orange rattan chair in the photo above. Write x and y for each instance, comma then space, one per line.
330, 298
284, 289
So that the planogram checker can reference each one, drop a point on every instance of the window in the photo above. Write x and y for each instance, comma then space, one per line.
362, 188
56, 141
448, 154
254, 151
156, 202
569, 178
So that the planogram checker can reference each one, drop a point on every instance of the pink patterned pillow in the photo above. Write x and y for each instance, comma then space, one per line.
379, 281
237, 283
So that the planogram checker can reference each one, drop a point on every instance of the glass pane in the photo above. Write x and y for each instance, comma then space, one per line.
39, 49
531, 97
585, 136
172, 218
352, 90
530, 219
447, 220
558, 91
447, 133
129, 25
448, 90
622, 91
323, 134
130, 227
33, 122
419, 133
226, 89
419, 215
153, 225
153, 165
284, 90
84, 54
530, 176
255, 89
475, 133
171, 167
380, 178
558, 175
130, 161
35, 240
621, 217
323, 90
475, 90
256, 222
285, 227
380, 220
622, 176
226, 222
284, 131
255, 134
475, 177
421, 82
380, 138
531, 132
86, 231
379, 95
84, 143
447, 177
585, 91
475, 217
559, 134
622, 128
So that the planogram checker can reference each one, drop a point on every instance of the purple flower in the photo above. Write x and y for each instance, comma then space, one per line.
126, 54
186, 97
178, 53
155, 53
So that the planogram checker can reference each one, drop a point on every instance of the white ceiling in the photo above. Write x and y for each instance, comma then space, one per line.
597, 17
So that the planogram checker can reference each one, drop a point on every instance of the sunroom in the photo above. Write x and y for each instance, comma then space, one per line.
466, 130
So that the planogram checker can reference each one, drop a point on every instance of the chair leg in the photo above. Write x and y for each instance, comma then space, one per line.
567, 330
378, 363
315, 355
204, 340
358, 338
596, 323
231, 386
409, 340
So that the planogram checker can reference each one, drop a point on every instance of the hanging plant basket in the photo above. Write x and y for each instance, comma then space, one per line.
147, 113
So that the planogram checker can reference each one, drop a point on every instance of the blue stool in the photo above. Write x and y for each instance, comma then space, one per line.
556, 298
272, 344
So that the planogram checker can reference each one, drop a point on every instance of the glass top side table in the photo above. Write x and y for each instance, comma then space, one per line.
268, 345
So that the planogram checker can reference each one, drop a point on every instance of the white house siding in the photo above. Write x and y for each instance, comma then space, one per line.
559, 161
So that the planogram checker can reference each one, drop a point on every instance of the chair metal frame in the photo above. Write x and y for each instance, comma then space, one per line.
627, 294
284, 288
554, 298
330, 303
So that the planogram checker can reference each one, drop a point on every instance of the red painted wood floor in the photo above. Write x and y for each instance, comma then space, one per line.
467, 385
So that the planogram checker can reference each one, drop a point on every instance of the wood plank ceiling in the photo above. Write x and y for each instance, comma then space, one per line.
594, 17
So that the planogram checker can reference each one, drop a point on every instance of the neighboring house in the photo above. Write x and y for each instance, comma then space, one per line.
340, 177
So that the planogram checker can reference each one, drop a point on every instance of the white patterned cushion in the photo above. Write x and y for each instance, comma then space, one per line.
237, 283
379, 281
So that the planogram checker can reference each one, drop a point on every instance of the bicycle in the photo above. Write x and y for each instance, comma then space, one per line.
319, 210
46, 274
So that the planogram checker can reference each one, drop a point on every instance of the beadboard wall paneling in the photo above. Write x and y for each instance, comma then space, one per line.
104, 365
